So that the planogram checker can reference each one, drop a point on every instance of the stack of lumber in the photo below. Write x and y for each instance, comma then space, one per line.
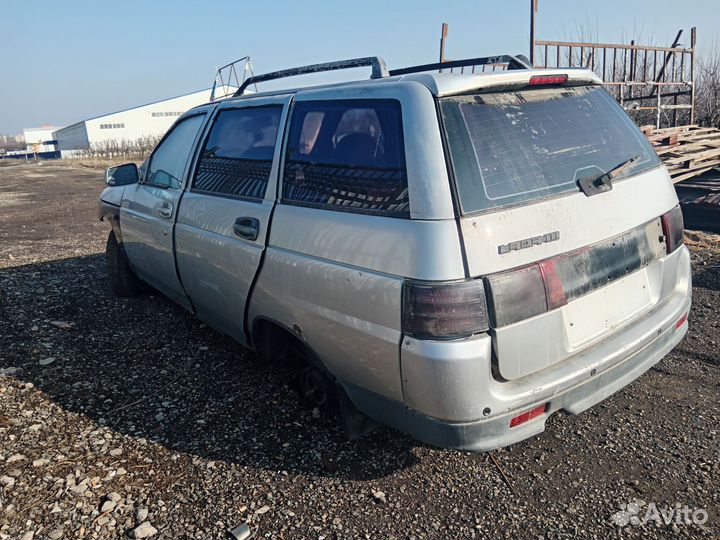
687, 151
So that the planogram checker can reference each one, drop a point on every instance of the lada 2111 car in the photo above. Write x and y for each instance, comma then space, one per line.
454, 255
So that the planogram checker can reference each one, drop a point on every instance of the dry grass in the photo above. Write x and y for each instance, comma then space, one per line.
91, 163
76, 163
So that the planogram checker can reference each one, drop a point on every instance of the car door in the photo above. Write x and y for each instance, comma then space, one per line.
223, 221
149, 208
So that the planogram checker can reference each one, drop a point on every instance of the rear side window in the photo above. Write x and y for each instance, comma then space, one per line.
237, 156
347, 156
515, 147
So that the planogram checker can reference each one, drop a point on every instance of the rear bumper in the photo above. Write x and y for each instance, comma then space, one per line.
463, 387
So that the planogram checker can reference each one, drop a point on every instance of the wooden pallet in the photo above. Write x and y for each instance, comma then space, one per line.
687, 151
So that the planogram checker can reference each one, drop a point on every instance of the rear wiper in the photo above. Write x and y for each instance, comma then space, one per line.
592, 185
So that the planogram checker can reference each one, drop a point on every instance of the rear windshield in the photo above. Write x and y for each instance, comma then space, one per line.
515, 147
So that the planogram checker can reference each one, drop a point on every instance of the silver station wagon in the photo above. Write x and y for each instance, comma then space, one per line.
457, 256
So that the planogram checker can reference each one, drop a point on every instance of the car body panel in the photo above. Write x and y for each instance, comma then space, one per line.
113, 195
348, 316
416, 249
216, 266
148, 238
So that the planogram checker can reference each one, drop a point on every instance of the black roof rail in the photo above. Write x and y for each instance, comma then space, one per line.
513, 62
379, 70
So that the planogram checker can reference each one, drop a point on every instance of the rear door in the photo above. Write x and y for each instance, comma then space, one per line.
224, 218
562, 268
149, 207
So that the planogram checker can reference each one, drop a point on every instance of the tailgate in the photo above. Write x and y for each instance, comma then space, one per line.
586, 262
599, 252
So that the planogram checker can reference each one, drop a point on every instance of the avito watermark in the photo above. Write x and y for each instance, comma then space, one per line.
641, 513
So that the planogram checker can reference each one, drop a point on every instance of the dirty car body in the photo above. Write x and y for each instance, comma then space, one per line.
425, 240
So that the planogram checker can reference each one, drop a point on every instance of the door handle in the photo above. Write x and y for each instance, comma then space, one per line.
165, 209
138, 218
247, 227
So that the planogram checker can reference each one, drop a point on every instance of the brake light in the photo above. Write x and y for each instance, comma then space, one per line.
554, 288
446, 310
529, 415
673, 228
548, 79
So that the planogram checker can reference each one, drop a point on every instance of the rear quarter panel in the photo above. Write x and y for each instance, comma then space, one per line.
336, 279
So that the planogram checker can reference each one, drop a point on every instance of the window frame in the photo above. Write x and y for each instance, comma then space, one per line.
208, 133
363, 102
193, 148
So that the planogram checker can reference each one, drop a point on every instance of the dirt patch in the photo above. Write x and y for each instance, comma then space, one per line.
48, 212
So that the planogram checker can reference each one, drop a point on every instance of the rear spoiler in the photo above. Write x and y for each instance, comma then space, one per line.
509, 79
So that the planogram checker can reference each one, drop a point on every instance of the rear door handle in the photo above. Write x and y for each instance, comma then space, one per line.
165, 209
247, 227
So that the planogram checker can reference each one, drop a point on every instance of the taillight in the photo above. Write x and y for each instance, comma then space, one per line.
447, 310
552, 273
548, 79
516, 295
673, 229
521, 293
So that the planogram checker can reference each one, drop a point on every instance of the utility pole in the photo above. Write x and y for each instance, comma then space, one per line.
533, 13
443, 37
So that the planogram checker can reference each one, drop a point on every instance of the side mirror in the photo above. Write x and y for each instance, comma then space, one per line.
122, 175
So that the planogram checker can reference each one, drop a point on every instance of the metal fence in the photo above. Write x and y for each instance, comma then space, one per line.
653, 83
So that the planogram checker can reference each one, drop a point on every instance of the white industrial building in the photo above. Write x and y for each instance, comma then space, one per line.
128, 126
41, 139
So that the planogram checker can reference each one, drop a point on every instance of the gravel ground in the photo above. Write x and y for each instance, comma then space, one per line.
119, 413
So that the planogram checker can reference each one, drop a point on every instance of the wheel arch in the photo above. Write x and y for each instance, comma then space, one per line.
111, 213
272, 339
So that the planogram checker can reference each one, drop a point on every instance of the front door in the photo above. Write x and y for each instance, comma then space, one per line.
222, 225
148, 211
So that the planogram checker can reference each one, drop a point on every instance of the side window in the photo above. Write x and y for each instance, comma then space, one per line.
348, 156
237, 156
167, 163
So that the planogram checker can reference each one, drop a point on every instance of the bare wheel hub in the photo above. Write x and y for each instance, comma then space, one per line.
316, 388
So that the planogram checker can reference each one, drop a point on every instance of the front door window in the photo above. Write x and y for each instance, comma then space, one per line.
167, 163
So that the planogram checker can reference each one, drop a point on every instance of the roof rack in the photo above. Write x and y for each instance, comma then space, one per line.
379, 70
513, 62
